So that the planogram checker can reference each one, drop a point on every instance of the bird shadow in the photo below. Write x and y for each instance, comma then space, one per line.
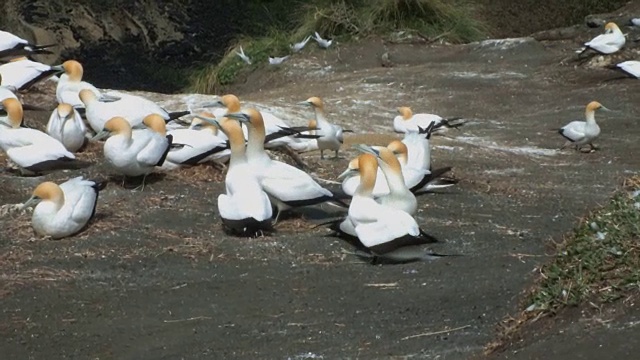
136, 182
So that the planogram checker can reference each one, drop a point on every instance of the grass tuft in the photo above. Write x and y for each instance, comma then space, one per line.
600, 262
449, 20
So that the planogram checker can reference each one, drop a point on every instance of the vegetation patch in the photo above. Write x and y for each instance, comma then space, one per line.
344, 19
598, 264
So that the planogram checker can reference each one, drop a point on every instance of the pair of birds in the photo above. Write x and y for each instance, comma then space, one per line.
297, 47
612, 41
254, 182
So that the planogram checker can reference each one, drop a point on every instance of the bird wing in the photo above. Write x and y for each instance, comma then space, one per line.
80, 196
288, 183
574, 130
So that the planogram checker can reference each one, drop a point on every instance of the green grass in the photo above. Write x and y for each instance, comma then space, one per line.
589, 268
344, 19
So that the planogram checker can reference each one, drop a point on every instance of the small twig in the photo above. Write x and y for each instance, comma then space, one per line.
189, 319
435, 332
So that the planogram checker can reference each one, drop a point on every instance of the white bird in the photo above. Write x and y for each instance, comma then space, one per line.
12, 45
287, 186
135, 153
579, 132
399, 196
386, 233
300, 45
22, 73
279, 135
244, 57
330, 135
70, 84
634, 22
245, 208
608, 43
277, 60
323, 43
191, 146
32, 150
66, 125
63, 210
131, 107
417, 179
407, 121
630, 67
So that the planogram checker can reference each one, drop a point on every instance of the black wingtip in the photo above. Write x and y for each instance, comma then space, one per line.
166, 152
177, 114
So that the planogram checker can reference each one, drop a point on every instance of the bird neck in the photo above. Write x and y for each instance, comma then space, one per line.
237, 147
395, 179
590, 115
367, 182
255, 144
321, 118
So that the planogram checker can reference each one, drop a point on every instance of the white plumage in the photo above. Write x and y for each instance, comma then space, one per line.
192, 147
30, 149
22, 73
66, 125
70, 84
12, 45
331, 136
64, 209
407, 121
579, 132
631, 67
608, 43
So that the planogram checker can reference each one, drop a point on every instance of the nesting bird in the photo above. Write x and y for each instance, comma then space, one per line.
22, 73
135, 153
608, 43
32, 150
196, 146
407, 121
630, 67
66, 125
130, 107
70, 84
330, 135
63, 210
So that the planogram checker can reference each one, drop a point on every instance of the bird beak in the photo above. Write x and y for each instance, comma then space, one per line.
606, 109
210, 120
34, 200
101, 135
307, 103
366, 149
217, 103
347, 174
240, 116
58, 68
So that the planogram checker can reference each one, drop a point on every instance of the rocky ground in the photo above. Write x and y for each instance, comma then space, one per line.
155, 277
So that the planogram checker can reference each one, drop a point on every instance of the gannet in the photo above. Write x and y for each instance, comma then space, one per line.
287, 186
31, 149
408, 121
135, 153
245, 208
417, 179
22, 73
66, 125
631, 67
274, 60
70, 84
399, 196
389, 234
608, 43
131, 107
244, 57
191, 147
579, 132
12, 45
323, 43
63, 210
300, 45
279, 135
330, 135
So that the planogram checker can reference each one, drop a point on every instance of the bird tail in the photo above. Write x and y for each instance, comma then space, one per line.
99, 184
178, 114
166, 152
453, 122
42, 49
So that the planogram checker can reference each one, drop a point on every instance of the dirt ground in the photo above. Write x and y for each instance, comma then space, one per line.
154, 277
